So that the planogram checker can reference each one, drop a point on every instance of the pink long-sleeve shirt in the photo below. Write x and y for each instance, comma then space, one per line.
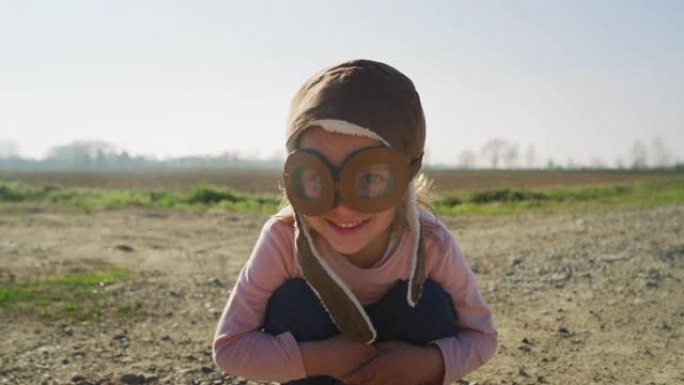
241, 348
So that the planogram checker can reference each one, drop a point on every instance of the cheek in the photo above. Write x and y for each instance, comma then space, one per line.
386, 218
315, 223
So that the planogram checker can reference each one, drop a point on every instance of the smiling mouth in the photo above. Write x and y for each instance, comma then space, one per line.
347, 226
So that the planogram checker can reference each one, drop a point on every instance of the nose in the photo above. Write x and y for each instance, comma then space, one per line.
339, 206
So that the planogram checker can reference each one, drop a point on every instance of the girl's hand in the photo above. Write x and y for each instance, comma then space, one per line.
401, 364
335, 356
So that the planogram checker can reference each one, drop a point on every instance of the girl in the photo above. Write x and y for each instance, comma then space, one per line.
354, 283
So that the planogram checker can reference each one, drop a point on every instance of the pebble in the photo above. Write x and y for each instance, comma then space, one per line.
560, 277
611, 258
124, 248
132, 379
186, 371
516, 261
47, 349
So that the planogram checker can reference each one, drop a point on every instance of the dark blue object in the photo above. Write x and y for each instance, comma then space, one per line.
295, 308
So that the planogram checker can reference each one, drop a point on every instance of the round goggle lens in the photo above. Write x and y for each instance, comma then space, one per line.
374, 181
307, 182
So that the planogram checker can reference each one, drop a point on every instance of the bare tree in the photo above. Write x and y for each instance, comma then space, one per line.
597, 163
661, 156
492, 151
8, 149
466, 159
570, 164
530, 157
510, 155
638, 154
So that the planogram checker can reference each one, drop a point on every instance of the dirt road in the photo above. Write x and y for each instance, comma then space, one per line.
577, 298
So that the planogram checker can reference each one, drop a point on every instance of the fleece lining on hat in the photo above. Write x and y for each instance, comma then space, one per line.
342, 127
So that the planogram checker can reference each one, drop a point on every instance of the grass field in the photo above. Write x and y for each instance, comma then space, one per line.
454, 192
78, 295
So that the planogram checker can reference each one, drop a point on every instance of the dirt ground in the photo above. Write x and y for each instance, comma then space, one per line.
583, 298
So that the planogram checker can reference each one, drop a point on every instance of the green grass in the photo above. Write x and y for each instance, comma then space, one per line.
505, 200
509, 200
203, 195
78, 295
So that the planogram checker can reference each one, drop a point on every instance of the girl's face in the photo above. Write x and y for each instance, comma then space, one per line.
361, 237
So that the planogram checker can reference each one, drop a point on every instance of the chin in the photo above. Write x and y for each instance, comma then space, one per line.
347, 250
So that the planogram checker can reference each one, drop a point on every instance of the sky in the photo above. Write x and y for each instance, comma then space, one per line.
578, 81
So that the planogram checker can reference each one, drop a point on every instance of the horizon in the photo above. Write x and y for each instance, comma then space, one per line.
578, 81
103, 155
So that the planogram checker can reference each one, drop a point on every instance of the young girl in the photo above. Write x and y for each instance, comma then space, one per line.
353, 282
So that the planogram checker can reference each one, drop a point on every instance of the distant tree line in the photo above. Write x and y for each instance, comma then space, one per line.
501, 154
88, 155
494, 154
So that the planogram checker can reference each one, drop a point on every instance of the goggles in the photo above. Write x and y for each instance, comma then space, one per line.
369, 180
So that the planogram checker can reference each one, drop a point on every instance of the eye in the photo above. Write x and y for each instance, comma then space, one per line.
308, 183
374, 182
373, 177
311, 176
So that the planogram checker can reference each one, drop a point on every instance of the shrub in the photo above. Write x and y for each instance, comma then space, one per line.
207, 194
506, 194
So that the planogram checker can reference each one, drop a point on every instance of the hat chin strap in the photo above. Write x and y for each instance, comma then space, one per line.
417, 277
342, 305
344, 308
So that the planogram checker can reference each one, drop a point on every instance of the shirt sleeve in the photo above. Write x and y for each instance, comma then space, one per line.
476, 337
240, 346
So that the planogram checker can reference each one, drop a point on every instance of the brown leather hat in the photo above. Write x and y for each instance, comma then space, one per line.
367, 94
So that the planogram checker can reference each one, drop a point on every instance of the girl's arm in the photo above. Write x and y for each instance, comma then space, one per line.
240, 347
400, 363
447, 359
476, 337
335, 356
